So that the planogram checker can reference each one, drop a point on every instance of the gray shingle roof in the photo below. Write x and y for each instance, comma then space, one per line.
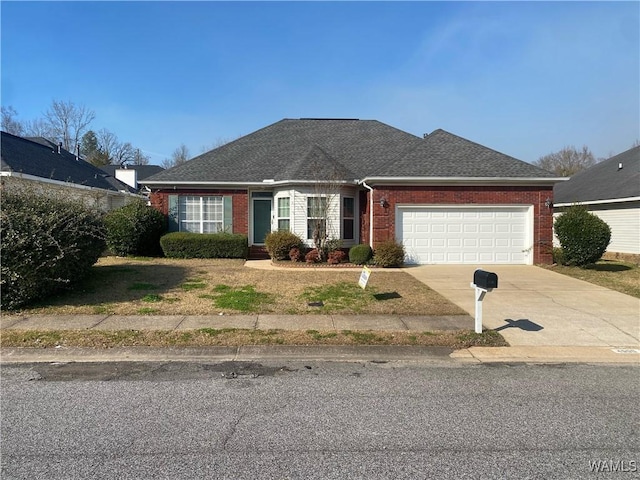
354, 149
603, 181
442, 154
40, 159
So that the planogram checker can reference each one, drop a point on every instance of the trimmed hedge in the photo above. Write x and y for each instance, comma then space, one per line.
47, 243
360, 254
204, 245
389, 254
583, 236
135, 229
280, 243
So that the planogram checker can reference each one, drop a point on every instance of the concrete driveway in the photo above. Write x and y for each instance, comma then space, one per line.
537, 307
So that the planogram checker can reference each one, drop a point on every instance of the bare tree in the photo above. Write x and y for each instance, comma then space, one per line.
567, 161
140, 158
123, 153
39, 128
9, 123
68, 122
179, 156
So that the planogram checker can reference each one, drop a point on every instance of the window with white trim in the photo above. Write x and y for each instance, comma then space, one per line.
201, 214
348, 218
316, 217
284, 213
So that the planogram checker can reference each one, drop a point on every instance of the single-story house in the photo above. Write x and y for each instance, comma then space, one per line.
447, 199
610, 190
48, 168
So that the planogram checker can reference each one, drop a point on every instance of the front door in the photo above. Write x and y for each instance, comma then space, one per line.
261, 219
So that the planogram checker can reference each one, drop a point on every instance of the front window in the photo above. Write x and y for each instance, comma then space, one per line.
284, 220
316, 217
201, 214
348, 218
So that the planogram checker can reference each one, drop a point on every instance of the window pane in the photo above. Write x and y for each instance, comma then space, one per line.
347, 229
283, 225
201, 214
314, 225
316, 206
347, 207
283, 207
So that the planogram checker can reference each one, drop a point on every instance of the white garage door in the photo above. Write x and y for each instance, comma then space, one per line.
473, 235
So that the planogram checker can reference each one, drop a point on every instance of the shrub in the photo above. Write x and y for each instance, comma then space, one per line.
583, 236
204, 245
280, 243
360, 254
135, 229
313, 256
558, 256
336, 256
48, 243
389, 254
295, 255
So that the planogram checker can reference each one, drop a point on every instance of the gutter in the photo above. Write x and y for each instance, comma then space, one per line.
465, 180
264, 183
79, 186
597, 202
364, 184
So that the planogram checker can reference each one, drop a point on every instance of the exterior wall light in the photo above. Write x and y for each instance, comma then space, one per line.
384, 202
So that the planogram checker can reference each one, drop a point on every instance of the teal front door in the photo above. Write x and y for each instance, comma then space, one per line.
261, 219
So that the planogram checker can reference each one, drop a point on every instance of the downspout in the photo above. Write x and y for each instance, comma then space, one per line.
364, 184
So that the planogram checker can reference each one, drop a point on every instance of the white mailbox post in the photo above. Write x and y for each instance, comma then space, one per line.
483, 282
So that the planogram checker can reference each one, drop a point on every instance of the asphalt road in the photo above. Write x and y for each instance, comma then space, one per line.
319, 420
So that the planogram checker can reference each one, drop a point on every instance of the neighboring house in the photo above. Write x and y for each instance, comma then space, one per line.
610, 190
131, 174
447, 199
46, 167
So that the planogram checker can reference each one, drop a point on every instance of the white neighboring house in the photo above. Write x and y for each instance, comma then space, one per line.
610, 190
48, 168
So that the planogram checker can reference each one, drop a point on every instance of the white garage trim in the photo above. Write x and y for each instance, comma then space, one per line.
466, 234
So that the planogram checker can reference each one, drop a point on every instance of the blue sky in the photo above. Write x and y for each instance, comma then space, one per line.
524, 78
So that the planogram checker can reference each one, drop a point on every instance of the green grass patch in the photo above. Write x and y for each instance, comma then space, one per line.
152, 298
339, 296
242, 299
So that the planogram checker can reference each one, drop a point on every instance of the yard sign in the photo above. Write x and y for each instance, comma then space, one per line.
364, 277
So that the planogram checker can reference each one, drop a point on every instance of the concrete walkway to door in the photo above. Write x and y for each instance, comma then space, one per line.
534, 307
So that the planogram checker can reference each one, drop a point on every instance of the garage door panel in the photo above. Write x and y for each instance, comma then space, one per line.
478, 234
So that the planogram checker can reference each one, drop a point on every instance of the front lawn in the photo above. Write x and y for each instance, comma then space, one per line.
139, 286
621, 276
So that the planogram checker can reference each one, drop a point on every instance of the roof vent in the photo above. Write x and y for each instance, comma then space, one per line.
59, 147
620, 166
425, 135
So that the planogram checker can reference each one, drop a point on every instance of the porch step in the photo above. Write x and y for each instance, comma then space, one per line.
257, 252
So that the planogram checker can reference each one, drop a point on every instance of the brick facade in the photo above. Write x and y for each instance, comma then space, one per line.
384, 217
240, 204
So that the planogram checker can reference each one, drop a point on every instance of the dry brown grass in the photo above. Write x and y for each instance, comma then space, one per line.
124, 286
238, 337
617, 275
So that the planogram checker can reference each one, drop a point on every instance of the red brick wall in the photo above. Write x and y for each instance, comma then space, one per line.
384, 218
240, 202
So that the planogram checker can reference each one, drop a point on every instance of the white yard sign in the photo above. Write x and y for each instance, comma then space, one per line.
364, 277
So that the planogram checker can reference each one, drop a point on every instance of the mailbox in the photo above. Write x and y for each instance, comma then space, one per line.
485, 280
